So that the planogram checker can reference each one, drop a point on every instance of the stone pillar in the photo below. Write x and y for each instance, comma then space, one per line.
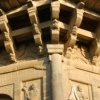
55, 57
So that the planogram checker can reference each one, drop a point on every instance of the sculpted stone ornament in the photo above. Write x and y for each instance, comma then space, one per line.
9, 47
55, 24
94, 60
26, 95
40, 50
36, 29
74, 31
13, 58
77, 94
7, 37
68, 52
80, 5
32, 94
37, 35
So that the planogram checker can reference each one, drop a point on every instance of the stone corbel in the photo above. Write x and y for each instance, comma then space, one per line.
32, 11
37, 38
55, 31
72, 38
75, 22
7, 39
77, 15
55, 9
9, 47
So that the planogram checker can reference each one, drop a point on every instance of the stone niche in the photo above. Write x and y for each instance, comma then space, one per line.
7, 89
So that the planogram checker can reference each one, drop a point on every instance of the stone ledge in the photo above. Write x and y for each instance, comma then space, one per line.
23, 65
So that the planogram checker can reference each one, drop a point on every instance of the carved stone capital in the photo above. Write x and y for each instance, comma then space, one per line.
55, 48
55, 9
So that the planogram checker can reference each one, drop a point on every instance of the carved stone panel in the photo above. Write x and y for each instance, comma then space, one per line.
32, 90
80, 91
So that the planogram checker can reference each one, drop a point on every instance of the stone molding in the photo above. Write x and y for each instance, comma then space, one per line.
78, 65
23, 65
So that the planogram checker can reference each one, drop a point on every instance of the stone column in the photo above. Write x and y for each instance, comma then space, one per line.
55, 57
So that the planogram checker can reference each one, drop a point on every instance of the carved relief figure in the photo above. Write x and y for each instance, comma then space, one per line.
55, 24
32, 94
73, 95
80, 94
26, 95
77, 94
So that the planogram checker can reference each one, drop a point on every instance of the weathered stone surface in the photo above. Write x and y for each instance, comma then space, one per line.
54, 47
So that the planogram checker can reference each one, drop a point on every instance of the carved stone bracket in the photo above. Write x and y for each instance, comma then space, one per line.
55, 9
37, 35
8, 40
32, 14
38, 39
72, 39
75, 22
77, 16
32, 11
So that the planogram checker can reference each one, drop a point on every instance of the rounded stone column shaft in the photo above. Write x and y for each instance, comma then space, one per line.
56, 72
